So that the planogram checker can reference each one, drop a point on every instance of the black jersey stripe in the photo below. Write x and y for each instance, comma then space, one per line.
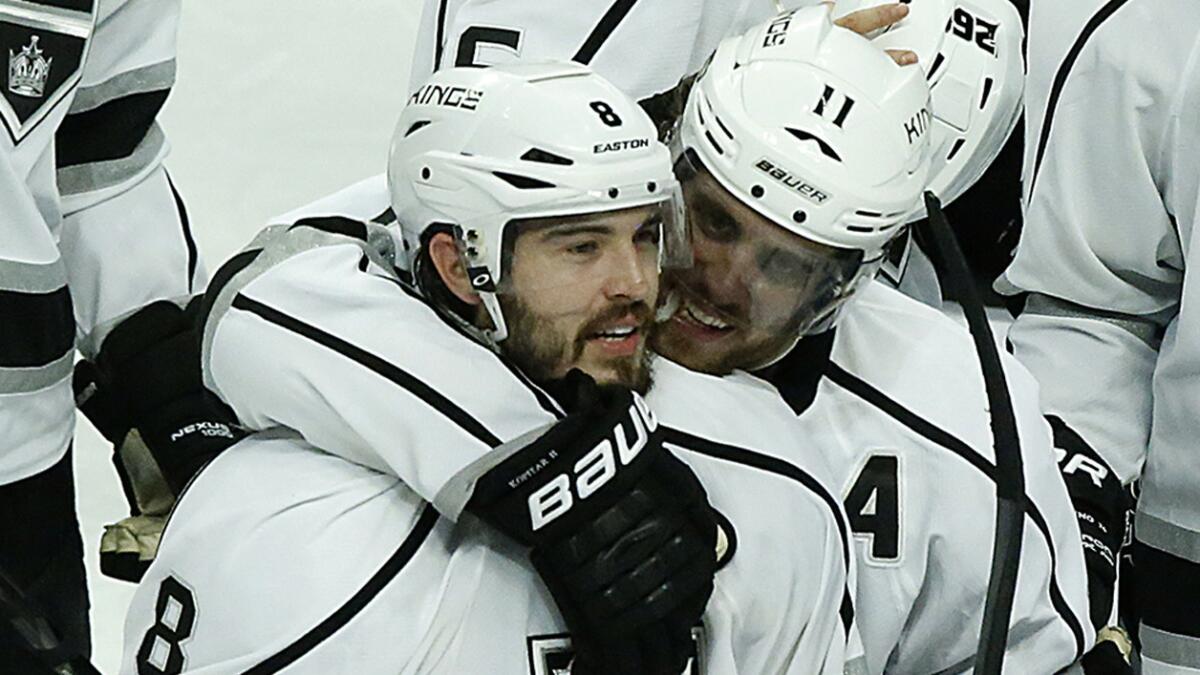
37, 328
440, 37
608, 23
379, 366
1060, 80
390, 569
189, 241
387, 217
1169, 607
757, 460
110, 131
877, 398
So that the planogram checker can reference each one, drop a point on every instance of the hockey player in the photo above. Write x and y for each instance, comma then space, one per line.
535, 206
1111, 195
92, 229
792, 193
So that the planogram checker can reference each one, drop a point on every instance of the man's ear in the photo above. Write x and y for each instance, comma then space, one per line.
443, 253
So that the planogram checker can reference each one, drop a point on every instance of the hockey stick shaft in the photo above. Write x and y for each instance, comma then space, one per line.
34, 632
1010, 477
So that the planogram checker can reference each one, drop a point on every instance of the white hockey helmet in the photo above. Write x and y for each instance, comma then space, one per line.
820, 132
970, 51
477, 148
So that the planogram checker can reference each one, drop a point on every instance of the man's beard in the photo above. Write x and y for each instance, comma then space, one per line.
540, 350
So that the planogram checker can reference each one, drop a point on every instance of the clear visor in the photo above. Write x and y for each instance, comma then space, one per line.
612, 249
752, 274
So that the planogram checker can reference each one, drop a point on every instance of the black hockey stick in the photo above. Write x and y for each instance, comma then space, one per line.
1010, 476
30, 630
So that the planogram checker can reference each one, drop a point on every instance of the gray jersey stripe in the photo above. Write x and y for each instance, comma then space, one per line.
45, 17
74, 180
278, 243
1178, 541
32, 277
1177, 650
1143, 329
26, 380
150, 78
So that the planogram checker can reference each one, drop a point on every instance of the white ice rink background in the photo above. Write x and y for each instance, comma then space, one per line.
276, 104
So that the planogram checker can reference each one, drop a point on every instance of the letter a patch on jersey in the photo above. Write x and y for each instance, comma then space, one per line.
43, 43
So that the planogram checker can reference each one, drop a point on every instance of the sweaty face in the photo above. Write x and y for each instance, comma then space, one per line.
754, 288
580, 293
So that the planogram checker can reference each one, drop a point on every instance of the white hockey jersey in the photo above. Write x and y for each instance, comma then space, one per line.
91, 226
643, 48
314, 333
900, 409
915, 602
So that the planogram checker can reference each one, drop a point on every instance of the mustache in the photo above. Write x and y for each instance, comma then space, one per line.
731, 313
642, 313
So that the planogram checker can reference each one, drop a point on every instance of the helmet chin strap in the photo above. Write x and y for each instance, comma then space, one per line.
497, 334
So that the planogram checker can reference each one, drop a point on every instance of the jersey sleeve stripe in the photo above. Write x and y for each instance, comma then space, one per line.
155, 77
603, 30
344, 614
379, 366
692, 443
1060, 80
92, 176
109, 131
906, 417
38, 327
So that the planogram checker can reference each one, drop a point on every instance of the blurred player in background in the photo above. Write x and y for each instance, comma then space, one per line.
91, 228
535, 207
1111, 197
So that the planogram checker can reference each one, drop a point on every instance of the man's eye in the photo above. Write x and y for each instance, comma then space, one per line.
648, 234
583, 247
719, 229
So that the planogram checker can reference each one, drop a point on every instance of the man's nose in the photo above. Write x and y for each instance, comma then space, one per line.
720, 271
631, 275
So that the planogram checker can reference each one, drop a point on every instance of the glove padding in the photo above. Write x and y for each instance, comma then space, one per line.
144, 393
620, 531
1111, 655
1103, 508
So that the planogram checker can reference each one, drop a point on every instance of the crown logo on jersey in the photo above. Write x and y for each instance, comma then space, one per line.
29, 70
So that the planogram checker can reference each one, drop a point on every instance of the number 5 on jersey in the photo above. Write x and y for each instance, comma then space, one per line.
873, 506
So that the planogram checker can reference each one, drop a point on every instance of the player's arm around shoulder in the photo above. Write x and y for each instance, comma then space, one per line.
311, 329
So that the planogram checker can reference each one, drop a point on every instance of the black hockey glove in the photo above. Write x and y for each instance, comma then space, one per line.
1103, 508
144, 393
1111, 655
621, 531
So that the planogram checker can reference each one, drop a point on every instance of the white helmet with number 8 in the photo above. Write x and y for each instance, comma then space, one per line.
476, 149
